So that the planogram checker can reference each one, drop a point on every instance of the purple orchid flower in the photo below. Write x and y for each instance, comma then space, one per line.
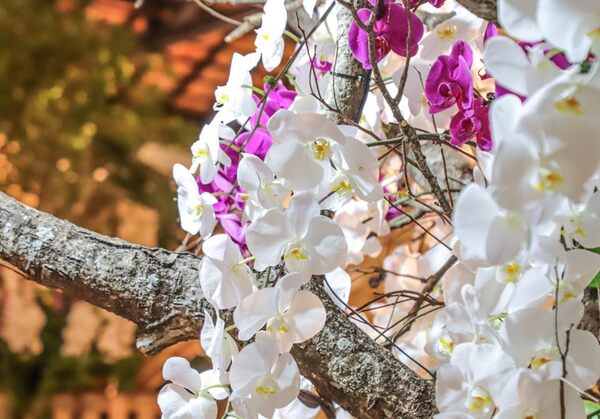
260, 142
234, 227
449, 81
321, 66
491, 31
391, 31
231, 197
280, 97
472, 123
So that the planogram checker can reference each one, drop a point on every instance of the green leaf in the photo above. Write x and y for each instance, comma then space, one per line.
596, 281
592, 409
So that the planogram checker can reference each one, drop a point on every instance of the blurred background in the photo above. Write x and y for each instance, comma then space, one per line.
98, 100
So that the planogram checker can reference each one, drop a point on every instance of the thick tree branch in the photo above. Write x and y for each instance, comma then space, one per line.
159, 291
156, 289
485, 9
349, 81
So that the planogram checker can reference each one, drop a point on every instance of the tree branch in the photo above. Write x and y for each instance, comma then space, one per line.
485, 9
159, 291
156, 289
349, 80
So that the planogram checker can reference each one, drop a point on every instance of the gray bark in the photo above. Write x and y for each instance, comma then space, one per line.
350, 80
485, 9
158, 290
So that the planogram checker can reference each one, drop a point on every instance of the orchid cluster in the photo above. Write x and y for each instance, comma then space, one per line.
284, 199
508, 339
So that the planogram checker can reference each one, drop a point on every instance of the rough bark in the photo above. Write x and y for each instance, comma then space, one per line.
158, 290
591, 314
485, 9
345, 365
349, 80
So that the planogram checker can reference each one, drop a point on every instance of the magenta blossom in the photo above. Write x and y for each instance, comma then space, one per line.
472, 123
449, 81
322, 66
230, 196
391, 32
280, 97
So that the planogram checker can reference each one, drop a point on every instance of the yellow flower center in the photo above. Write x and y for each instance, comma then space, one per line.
512, 272
222, 95
296, 253
197, 210
538, 361
278, 323
542, 357
446, 32
595, 34
321, 149
266, 386
569, 105
200, 153
478, 400
549, 180
447, 345
341, 187
264, 390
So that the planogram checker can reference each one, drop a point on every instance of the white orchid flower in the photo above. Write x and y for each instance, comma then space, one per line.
356, 172
473, 380
530, 338
309, 242
196, 213
224, 277
571, 26
582, 223
547, 149
414, 104
487, 232
576, 269
526, 171
527, 395
303, 148
358, 219
234, 100
190, 395
218, 344
519, 71
469, 320
519, 18
264, 190
269, 37
291, 316
207, 153
462, 26
263, 378
297, 409
338, 287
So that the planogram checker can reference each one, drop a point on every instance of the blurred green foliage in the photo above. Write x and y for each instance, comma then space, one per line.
31, 381
73, 100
